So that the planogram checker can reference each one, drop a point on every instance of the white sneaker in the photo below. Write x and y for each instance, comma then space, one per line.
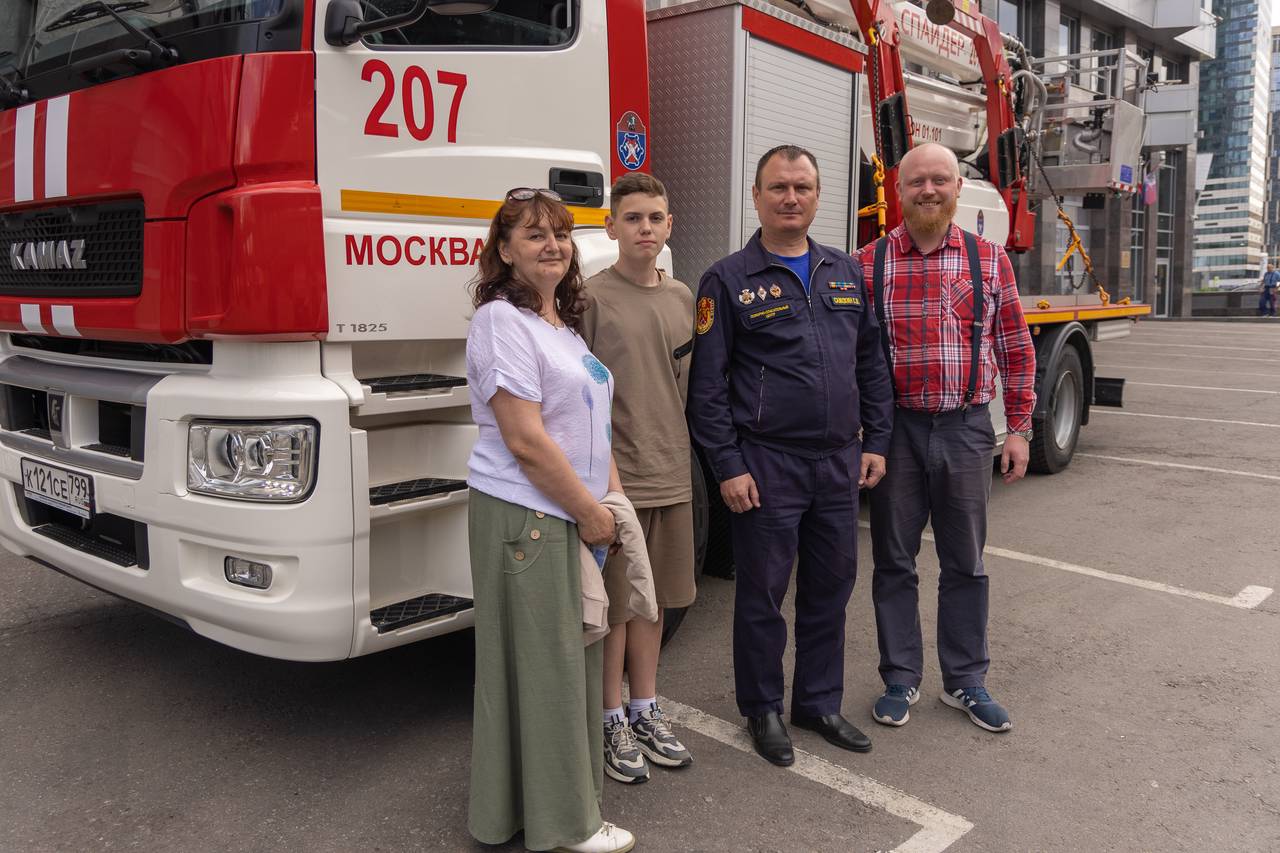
608, 839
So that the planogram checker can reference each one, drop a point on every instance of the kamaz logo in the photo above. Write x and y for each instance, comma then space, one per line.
47, 255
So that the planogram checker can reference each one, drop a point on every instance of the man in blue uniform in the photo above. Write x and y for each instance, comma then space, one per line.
790, 400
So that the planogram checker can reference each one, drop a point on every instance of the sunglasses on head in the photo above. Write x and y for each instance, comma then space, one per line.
526, 193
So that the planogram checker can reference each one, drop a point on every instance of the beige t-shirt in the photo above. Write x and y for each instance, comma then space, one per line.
644, 335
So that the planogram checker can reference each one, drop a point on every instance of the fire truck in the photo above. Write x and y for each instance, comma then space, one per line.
239, 235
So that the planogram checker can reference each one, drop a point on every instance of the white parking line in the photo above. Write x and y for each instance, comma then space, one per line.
1246, 599
1197, 355
1195, 346
938, 829
1181, 370
1106, 411
1180, 465
1201, 387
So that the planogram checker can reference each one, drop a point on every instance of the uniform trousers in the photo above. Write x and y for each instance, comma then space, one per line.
809, 508
939, 467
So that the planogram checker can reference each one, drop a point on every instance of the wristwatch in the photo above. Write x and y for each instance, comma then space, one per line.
1024, 434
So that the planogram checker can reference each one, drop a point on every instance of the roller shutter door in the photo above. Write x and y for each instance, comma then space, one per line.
792, 99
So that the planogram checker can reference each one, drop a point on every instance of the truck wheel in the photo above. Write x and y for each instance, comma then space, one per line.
719, 559
673, 616
1055, 437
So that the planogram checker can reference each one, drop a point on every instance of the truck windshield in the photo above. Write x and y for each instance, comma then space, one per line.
56, 46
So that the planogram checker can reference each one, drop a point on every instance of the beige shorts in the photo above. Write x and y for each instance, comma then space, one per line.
668, 534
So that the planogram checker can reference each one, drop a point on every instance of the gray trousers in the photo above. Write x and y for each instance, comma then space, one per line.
939, 467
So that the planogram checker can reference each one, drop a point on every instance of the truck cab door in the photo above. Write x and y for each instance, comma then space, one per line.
421, 131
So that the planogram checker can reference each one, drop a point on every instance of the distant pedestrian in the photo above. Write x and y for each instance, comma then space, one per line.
1267, 301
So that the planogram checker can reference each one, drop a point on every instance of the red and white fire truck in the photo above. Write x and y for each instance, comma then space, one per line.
239, 234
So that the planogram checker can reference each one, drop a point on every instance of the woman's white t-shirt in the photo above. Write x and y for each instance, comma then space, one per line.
516, 350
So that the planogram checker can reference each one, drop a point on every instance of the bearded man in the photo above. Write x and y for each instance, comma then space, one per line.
950, 318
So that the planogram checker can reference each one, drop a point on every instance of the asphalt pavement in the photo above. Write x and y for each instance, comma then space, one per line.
1134, 638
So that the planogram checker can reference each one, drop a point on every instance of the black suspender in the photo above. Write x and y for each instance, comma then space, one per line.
975, 333
877, 286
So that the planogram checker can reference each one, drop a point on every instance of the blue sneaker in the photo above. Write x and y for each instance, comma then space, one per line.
984, 711
891, 708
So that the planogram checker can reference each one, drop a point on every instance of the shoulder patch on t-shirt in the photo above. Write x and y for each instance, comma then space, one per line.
706, 314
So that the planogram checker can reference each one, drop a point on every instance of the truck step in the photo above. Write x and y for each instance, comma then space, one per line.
420, 609
113, 449
409, 489
91, 545
412, 382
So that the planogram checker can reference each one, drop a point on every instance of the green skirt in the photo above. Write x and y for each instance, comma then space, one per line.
537, 743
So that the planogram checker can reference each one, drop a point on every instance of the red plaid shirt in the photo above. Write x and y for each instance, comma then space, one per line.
928, 313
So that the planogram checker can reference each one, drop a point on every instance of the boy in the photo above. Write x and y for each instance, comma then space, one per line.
639, 322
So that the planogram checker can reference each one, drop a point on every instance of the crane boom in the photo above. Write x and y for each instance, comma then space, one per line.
891, 117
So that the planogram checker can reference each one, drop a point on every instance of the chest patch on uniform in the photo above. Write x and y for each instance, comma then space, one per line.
764, 315
846, 300
842, 285
706, 314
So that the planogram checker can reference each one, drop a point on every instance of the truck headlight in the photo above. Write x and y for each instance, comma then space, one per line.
270, 461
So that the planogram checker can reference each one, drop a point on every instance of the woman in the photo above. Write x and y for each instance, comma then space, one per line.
539, 468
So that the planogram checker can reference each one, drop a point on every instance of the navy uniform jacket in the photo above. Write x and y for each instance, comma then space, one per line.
801, 374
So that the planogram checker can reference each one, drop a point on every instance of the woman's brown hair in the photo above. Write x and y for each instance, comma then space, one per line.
495, 279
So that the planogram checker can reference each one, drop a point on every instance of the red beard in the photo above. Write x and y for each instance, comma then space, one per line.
929, 221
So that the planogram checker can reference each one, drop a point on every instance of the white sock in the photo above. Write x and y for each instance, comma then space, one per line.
613, 715
637, 705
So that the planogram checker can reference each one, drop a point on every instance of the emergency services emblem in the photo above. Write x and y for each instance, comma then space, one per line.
632, 141
706, 314
762, 293
746, 297
775, 291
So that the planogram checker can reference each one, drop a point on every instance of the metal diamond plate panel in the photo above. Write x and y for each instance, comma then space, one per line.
691, 84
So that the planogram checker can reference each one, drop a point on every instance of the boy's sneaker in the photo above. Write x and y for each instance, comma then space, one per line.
984, 711
623, 759
608, 839
656, 741
892, 708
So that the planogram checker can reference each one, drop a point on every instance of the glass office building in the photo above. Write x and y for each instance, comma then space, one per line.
1234, 113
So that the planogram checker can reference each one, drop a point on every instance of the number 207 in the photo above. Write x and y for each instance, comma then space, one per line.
415, 86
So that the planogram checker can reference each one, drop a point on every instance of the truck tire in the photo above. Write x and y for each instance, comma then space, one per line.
674, 616
719, 559
1054, 442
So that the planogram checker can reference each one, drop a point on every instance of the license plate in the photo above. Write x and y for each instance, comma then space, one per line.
58, 487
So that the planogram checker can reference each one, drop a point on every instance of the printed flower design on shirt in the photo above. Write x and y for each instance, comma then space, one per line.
595, 369
591, 412
600, 375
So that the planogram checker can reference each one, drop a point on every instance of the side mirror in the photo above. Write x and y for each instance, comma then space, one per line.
344, 23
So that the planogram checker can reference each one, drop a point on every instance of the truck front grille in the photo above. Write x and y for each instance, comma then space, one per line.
81, 251
113, 538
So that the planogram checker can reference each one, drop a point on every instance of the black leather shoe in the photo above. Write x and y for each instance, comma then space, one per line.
837, 730
771, 740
